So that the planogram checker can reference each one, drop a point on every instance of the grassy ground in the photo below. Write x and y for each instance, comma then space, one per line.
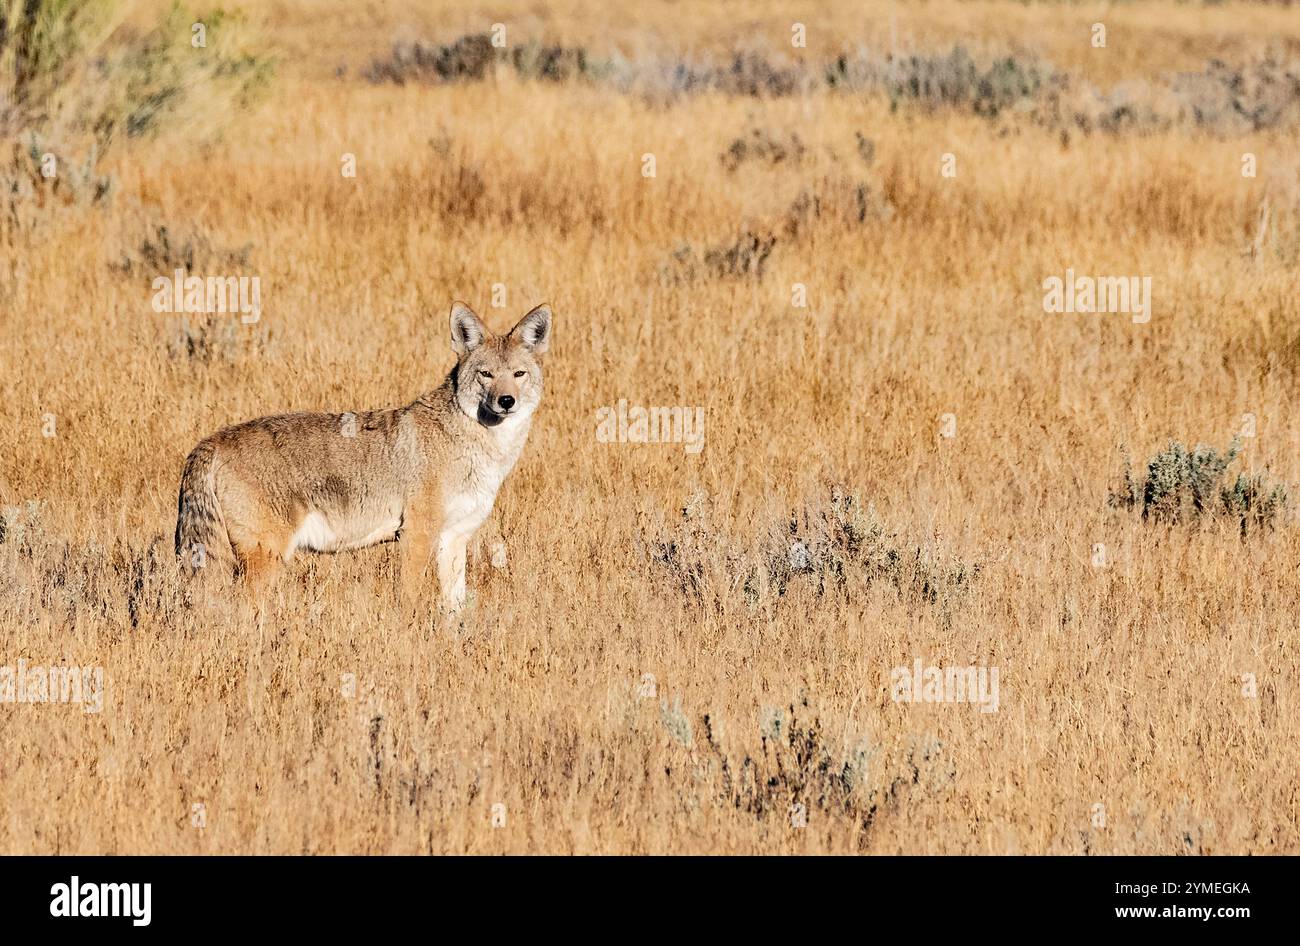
647, 675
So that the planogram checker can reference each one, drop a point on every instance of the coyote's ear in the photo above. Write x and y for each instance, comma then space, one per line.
467, 332
534, 330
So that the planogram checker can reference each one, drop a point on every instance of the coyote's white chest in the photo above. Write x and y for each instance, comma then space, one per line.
465, 511
469, 500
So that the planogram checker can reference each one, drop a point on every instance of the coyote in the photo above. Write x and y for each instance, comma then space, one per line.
426, 474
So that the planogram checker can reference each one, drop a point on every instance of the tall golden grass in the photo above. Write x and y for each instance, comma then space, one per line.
608, 701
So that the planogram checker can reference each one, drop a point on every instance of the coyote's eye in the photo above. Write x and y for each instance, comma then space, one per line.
520, 374
485, 374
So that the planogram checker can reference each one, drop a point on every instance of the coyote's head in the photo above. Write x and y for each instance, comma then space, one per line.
499, 377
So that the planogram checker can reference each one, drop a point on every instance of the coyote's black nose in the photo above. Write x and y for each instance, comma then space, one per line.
506, 402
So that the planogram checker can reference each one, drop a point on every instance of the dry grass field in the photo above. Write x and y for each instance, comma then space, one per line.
840, 258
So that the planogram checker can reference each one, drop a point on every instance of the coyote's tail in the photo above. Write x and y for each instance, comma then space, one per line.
201, 537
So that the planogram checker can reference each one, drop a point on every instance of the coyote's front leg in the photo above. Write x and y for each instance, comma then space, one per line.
489, 543
451, 571
417, 538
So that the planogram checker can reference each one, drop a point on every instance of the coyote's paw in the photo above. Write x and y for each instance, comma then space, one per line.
456, 614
